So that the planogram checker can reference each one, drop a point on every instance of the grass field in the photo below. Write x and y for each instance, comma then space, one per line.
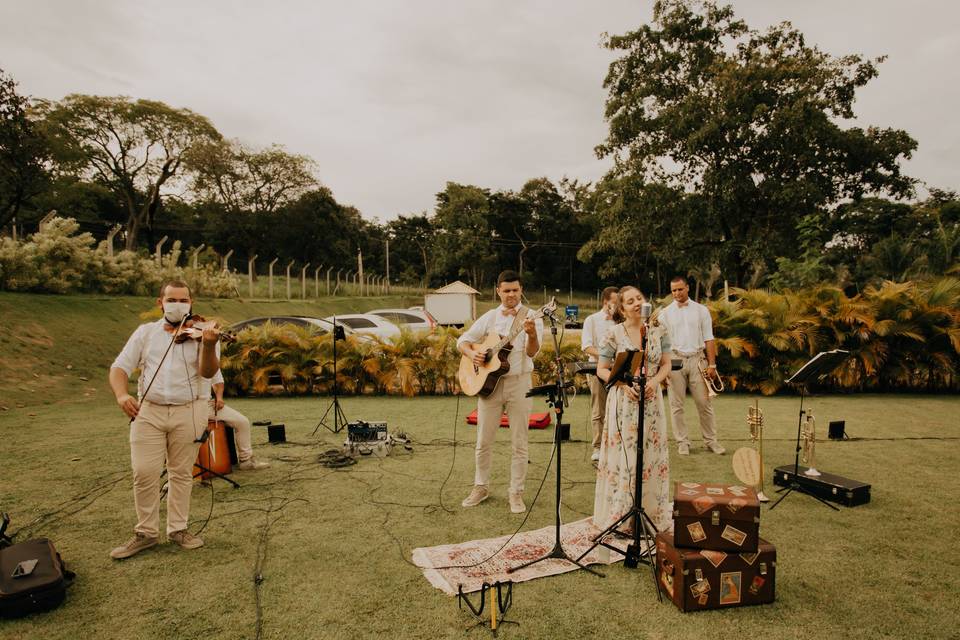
333, 546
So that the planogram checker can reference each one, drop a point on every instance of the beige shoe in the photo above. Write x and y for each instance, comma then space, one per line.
596, 456
683, 449
133, 546
185, 539
716, 448
478, 495
516, 503
252, 464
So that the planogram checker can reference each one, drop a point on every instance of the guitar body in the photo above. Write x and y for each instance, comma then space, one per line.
483, 380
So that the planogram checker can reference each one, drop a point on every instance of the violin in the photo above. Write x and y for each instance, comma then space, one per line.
193, 329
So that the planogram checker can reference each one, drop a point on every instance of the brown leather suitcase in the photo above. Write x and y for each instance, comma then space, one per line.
703, 579
716, 516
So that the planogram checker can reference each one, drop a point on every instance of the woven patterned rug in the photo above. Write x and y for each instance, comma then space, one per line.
447, 566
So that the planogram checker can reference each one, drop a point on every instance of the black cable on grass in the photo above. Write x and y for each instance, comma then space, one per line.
453, 461
75, 504
261, 561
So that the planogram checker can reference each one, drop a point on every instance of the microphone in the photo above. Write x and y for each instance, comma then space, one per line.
645, 310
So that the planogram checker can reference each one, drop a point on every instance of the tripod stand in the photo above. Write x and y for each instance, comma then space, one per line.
820, 365
641, 548
557, 399
339, 419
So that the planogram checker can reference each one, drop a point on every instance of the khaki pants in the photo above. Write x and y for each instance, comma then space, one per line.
510, 396
689, 378
240, 425
164, 432
598, 408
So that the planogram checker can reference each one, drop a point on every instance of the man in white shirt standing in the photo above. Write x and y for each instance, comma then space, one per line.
691, 336
167, 418
595, 327
510, 393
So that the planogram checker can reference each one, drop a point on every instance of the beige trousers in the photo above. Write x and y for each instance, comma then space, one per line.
509, 396
598, 408
240, 425
164, 433
689, 378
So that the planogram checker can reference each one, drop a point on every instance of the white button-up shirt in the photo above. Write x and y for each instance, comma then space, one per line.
178, 380
494, 320
689, 326
595, 327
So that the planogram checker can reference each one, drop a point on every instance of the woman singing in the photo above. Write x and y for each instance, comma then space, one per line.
616, 481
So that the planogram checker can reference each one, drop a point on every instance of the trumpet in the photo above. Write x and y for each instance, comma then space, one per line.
714, 386
808, 437
755, 423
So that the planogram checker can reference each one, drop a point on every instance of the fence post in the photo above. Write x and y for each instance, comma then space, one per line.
303, 282
226, 260
288, 279
113, 232
316, 282
328, 279
271, 277
158, 248
338, 282
196, 256
250, 273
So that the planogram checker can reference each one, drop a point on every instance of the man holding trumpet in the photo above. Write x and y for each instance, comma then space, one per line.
691, 337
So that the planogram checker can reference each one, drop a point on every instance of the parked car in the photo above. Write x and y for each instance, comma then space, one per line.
413, 319
366, 324
320, 325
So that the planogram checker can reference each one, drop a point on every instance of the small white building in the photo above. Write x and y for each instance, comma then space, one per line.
452, 304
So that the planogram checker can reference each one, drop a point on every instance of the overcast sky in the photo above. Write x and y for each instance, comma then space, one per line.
395, 98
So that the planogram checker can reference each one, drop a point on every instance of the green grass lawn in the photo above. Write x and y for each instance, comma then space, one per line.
333, 545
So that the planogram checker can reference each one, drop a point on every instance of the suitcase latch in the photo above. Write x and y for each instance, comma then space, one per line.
698, 573
715, 518
763, 568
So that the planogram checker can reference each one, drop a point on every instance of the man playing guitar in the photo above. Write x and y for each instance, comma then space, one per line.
510, 393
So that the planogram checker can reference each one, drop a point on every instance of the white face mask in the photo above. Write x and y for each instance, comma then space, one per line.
175, 311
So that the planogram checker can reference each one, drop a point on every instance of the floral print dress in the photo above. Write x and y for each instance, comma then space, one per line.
618, 447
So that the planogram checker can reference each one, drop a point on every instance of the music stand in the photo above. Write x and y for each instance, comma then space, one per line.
644, 531
557, 399
820, 365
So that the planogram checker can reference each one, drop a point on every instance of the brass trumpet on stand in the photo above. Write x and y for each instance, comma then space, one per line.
808, 439
747, 462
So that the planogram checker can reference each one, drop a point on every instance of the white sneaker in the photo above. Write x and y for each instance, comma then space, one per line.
683, 449
596, 455
715, 447
478, 495
516, 503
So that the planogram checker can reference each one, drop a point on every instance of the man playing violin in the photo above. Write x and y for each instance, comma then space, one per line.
167, 417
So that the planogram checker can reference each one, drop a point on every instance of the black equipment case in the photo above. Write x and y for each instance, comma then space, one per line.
827, 485
32, 578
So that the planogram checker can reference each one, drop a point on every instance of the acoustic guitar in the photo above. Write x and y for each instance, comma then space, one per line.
483, 379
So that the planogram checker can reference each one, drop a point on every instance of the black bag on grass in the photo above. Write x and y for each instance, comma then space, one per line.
32, 576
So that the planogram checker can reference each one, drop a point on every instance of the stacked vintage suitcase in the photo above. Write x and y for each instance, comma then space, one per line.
715, 558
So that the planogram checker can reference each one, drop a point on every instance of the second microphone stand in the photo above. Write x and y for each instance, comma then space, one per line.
558, 400
641, 548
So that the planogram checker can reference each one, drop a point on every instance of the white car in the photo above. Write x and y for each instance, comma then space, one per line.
363, 323
415, 320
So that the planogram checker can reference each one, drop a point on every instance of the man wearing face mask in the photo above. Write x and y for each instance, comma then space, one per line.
595, 328
167, 417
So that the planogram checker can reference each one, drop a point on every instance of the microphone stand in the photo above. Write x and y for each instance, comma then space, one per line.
558, 400
339, 418
641, 548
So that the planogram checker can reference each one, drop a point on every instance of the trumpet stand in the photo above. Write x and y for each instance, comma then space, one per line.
755, 421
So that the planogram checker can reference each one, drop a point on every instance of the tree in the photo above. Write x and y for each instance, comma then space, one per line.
463, 242
411, 253
136, 148
747, 120
23, 152
244, 179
